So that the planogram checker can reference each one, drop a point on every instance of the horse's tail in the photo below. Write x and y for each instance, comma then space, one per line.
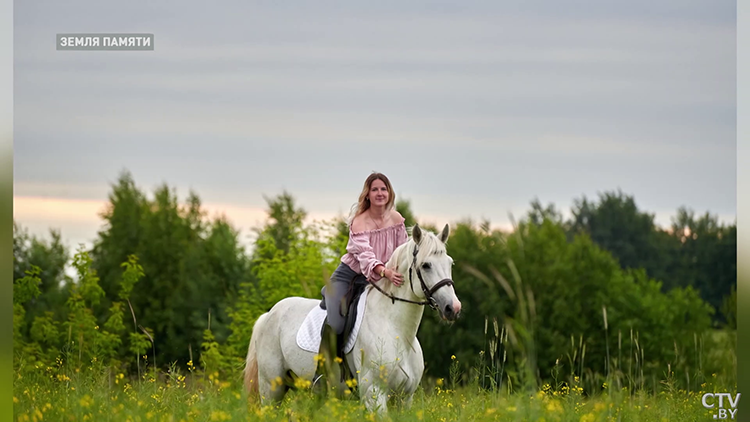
251, 363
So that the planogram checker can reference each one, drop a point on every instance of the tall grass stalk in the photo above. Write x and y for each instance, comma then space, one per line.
153, 346
606, 338
630, 365
135, 324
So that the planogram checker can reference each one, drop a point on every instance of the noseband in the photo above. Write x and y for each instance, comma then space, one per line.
428, 293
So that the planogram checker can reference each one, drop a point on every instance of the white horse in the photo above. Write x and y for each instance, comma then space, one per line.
386, 356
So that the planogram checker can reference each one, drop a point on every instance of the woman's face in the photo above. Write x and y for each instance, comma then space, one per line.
378, 193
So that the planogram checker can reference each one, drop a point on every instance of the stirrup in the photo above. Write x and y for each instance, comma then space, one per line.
318, 382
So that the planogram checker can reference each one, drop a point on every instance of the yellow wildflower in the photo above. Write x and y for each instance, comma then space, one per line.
86, 401
554, 406
220, 415
302, 383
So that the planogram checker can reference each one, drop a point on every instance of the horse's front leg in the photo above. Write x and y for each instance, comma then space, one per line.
408, 401
374, 394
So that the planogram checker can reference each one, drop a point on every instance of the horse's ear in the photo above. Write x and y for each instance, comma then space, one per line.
446, 232
416, 234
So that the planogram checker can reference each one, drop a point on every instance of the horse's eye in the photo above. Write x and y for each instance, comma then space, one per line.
426, 265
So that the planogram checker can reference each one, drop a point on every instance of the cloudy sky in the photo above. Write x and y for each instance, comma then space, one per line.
472, 108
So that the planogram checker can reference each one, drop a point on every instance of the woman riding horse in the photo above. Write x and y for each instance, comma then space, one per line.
280, 353
379, 250
375, 231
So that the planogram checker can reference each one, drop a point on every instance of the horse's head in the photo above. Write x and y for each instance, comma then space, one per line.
430, 270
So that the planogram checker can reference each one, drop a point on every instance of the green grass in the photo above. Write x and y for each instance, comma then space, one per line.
98, 394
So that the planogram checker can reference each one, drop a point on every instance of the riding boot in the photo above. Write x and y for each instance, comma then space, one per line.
340, 355
331, 352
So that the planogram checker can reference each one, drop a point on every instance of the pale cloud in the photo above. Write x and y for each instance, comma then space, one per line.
79, 220
174, 126
38, 192
76, 220
34, 209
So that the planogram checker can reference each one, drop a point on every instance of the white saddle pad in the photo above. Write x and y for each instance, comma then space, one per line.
308, 336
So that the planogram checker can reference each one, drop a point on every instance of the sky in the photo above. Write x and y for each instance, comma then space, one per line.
472, 108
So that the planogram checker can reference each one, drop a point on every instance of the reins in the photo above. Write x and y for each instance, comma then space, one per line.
427, 292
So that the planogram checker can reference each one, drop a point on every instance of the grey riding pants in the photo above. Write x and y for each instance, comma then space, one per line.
340, 283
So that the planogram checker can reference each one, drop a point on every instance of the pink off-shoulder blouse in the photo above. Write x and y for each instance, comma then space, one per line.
367, 249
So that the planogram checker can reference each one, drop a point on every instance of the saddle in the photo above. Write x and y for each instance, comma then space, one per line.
349, 312
351, 300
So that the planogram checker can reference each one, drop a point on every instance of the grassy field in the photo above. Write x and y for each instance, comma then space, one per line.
96, 394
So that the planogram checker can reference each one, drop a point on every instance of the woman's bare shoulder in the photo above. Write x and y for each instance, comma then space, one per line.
360, 224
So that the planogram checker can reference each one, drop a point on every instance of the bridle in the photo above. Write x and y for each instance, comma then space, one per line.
428, 293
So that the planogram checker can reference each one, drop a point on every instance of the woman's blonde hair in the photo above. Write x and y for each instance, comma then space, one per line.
363, 204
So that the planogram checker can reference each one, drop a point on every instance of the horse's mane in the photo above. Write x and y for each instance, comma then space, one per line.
401, 258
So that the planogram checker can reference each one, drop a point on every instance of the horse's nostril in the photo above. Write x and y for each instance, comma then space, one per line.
448, 310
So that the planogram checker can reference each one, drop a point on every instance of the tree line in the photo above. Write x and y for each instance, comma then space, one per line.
593, 292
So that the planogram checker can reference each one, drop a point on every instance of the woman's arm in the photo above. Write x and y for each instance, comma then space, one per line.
359, 246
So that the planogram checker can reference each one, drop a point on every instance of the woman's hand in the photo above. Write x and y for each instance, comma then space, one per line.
396, 278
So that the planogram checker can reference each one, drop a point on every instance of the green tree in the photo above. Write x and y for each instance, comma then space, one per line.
538, 213
696, 252
301, 268
616, 224
729, 309
192, 266
51, 257
475, 252
285, 220
123, 231
86, 341
706, 257
24, 289
403, 206
544, 289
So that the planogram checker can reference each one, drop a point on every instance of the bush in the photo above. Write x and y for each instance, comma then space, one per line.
566, 304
